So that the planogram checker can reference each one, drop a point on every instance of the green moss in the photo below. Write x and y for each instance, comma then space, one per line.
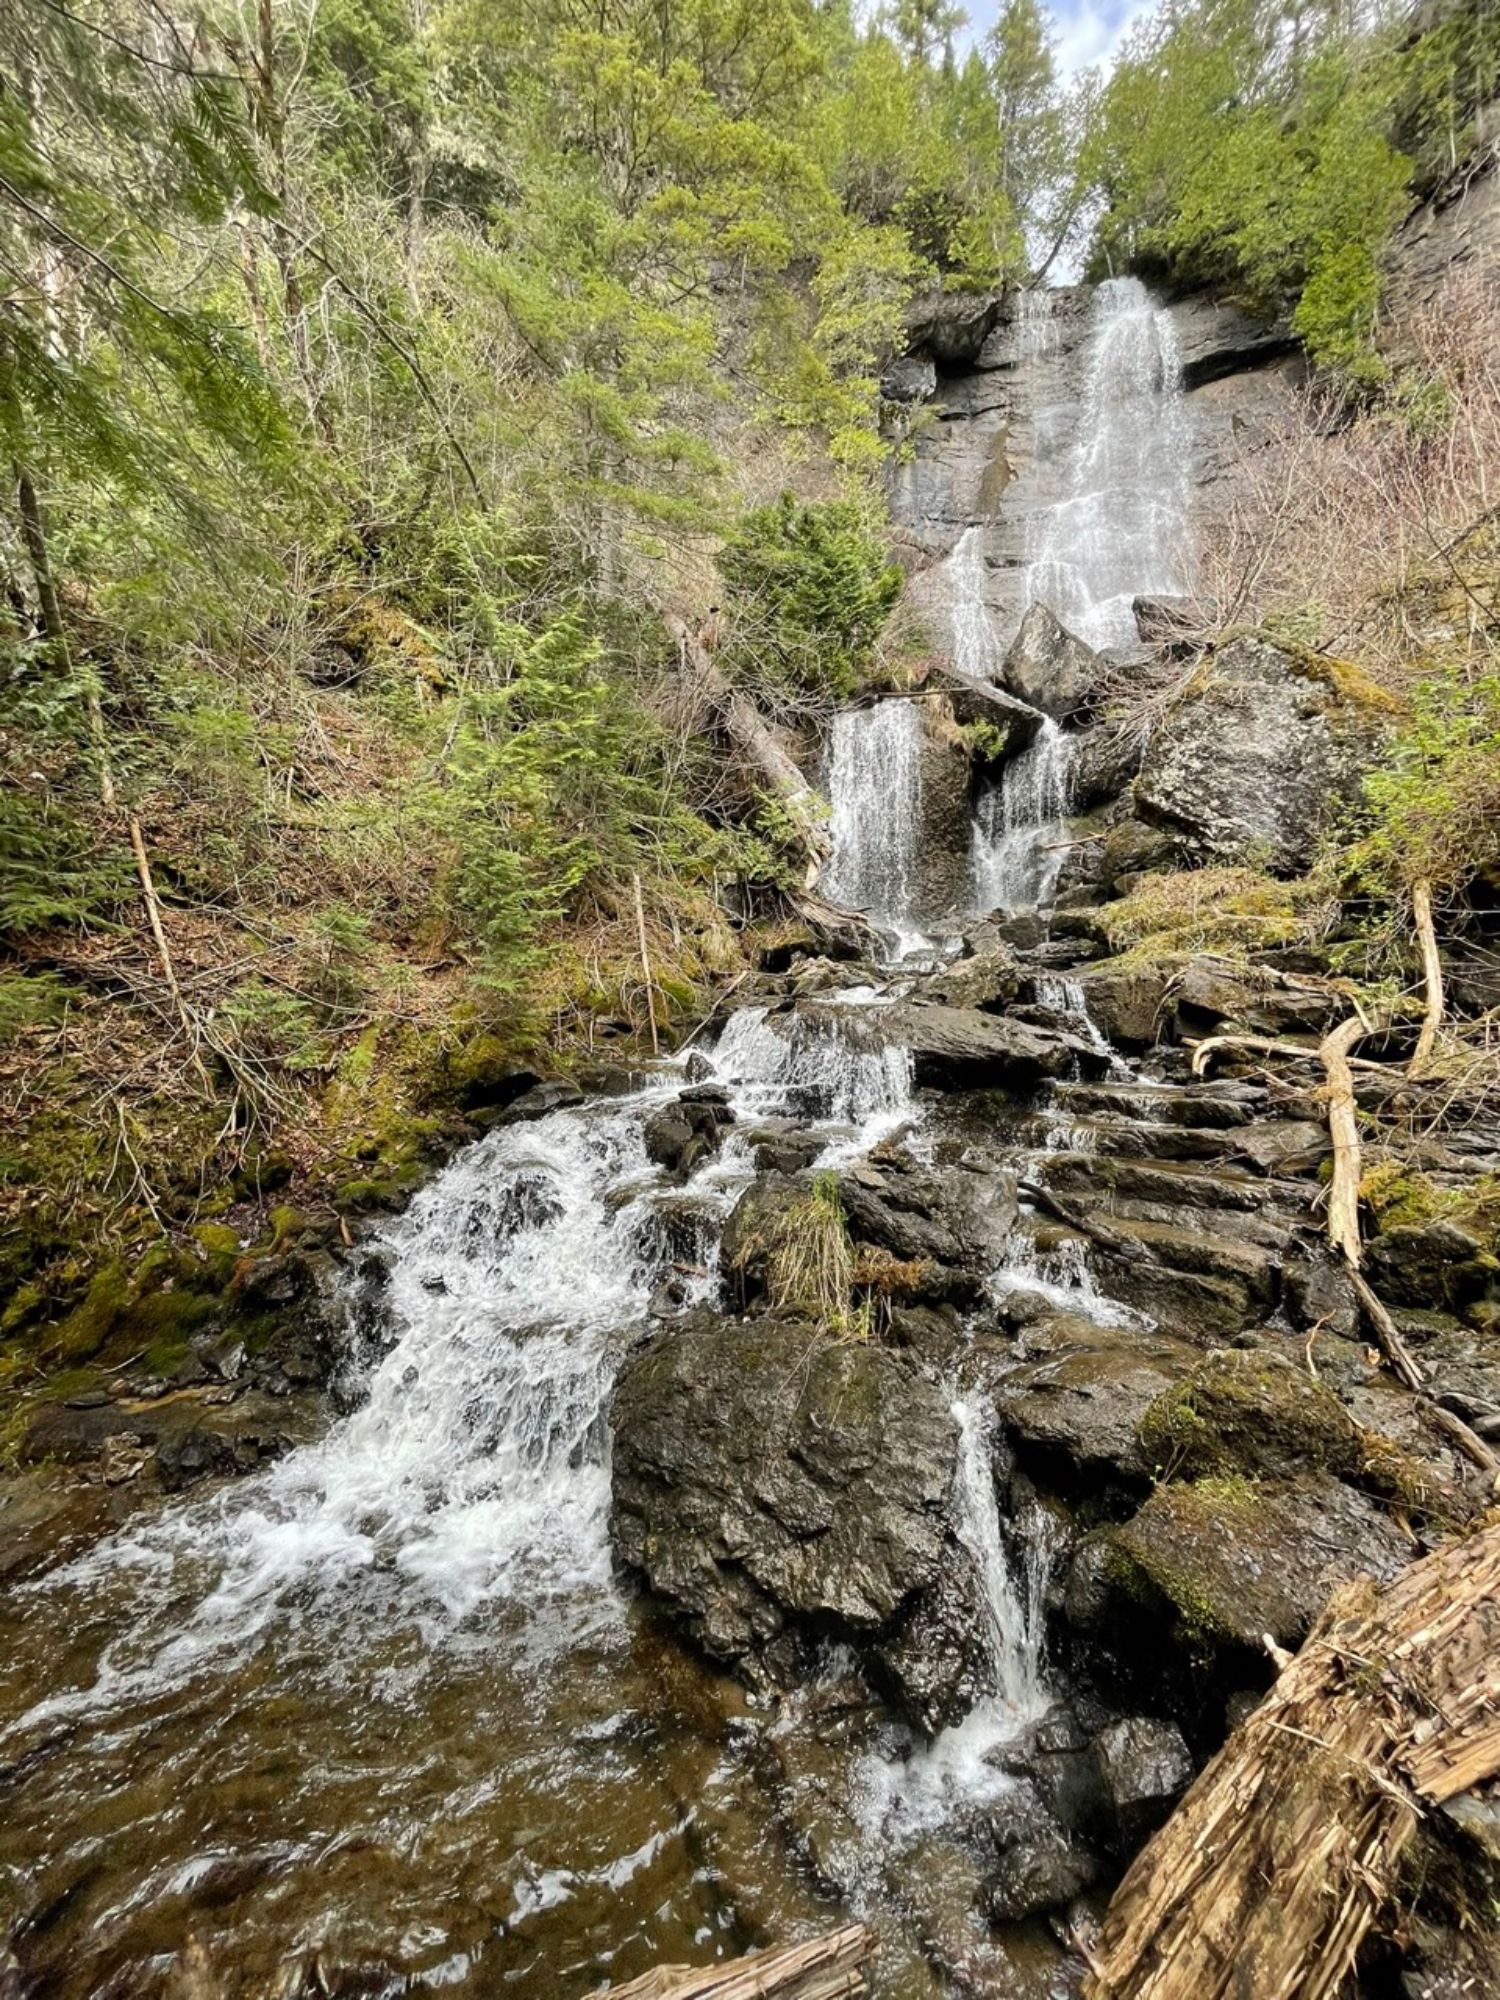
1247, 1411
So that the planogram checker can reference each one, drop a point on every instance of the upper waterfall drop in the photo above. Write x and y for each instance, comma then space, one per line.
1120, 530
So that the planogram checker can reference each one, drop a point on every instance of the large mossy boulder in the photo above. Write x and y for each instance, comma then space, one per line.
1232, 1561
1261, 754
774, 1485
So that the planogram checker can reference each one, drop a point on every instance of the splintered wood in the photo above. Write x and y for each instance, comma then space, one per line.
1281, 1858
830, 1968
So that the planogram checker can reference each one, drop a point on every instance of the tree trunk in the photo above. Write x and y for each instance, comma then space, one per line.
1287, 1850
830, 1968
752, 737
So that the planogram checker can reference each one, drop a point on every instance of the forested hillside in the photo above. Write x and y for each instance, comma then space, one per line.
383, 387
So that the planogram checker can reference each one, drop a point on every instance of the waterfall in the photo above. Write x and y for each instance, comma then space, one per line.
1034, 328
898, 1799
808, 1057
1020, 826
1013, 1610
1120, 529
976, 650
875, 783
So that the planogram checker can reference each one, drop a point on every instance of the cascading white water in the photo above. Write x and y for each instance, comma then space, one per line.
976, 649
1012, 1605
1120, 529
898, 1799
1034, 326
1019, 827
875, 784
809, 1057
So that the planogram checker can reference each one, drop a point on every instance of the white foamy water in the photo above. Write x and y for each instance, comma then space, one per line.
1021, 825
1064, 1278
875, 784
474, 1475
897, 1799
1121, 528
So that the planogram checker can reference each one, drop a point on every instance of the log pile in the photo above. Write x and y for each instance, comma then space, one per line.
829, 1968
1286, 1851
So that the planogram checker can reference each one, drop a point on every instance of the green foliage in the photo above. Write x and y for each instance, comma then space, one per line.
807, 590
51, 870
1433, 804
1222, 152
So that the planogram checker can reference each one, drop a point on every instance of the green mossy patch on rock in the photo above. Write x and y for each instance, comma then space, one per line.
1239, 1559
1249, 1411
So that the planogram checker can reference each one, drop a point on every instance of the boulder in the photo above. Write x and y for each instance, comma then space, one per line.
987, 980
960, 1048
1075, 1403
1260, 755
1048, 668
1435, 1263
1126, 1002
1041, 1869
539, 1102
950, 327
912, 378
1233, 1560
769, 1481
956, 1220
1146, 1766
1131, 848
684, 1133
1209, 991
1105, 759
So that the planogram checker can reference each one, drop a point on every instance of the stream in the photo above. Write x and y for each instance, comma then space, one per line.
389, 1707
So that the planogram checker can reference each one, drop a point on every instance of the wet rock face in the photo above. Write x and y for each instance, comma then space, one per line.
1048, 668
683, 1134
770, 1482
961, 1048
1230, 1560
956, 1221
1256, 760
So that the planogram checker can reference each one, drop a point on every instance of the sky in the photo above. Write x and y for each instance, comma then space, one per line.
1088, 31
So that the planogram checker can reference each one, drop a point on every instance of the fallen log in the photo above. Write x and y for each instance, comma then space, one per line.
751, 735
829, 1968
1287, 1850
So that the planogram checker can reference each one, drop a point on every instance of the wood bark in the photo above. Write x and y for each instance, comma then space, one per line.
752, 737
1432, 976
1286, 1851
829, 1968
1343, 1130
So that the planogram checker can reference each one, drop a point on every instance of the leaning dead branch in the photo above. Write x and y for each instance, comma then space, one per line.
1432, 976
1287, 1850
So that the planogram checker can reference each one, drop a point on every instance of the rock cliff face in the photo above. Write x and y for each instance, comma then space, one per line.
993, 448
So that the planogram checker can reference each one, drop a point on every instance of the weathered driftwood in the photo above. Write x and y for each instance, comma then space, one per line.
830, 1968
1287, 1849
748, 731
1432, 976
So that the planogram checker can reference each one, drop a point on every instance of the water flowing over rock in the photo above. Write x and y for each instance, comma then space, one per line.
1120, 528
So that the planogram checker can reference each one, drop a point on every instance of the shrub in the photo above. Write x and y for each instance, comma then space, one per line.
807, 590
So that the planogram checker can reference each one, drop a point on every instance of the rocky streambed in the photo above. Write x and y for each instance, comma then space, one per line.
867, 1461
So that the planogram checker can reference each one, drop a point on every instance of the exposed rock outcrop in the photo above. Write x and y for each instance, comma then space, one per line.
773, 1485
1048, 668
1259, 756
